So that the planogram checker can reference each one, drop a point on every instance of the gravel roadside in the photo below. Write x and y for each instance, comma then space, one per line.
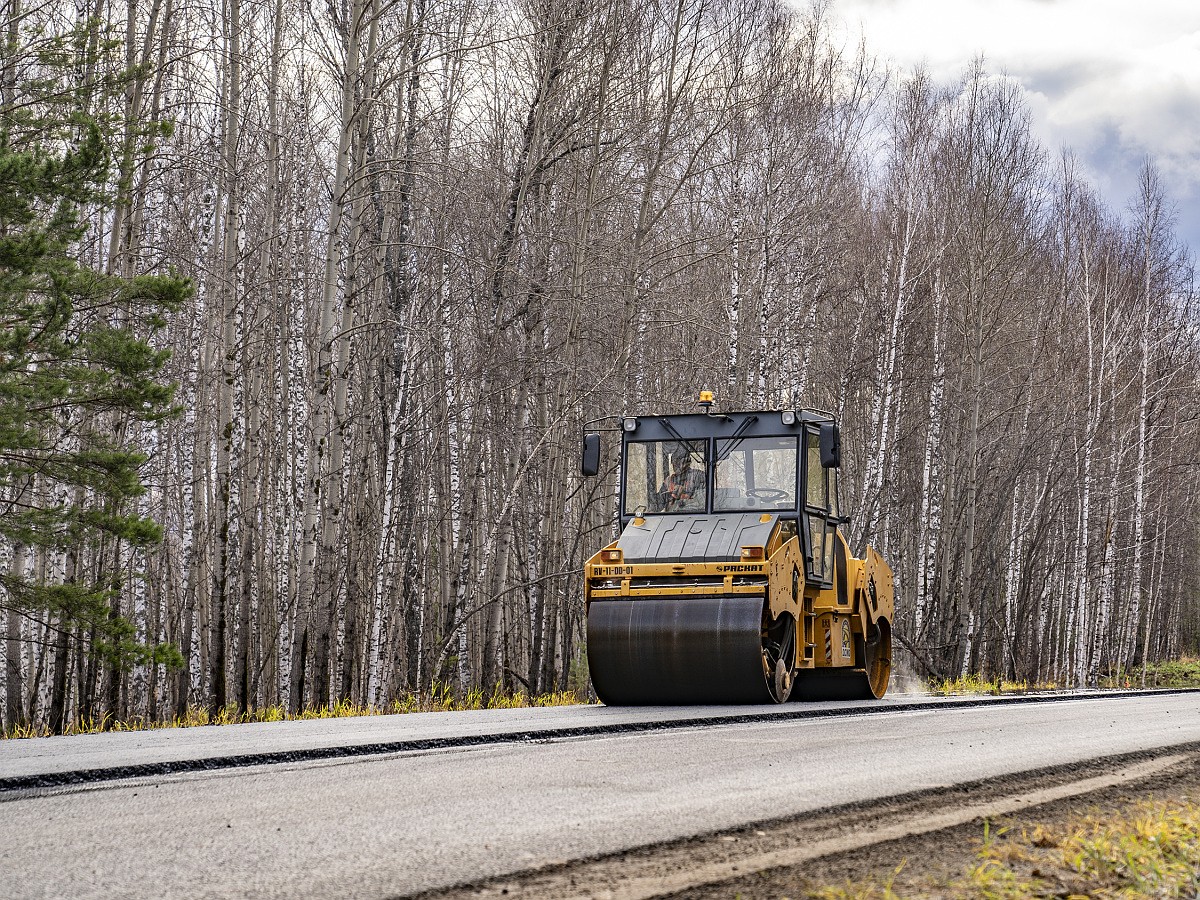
920, 865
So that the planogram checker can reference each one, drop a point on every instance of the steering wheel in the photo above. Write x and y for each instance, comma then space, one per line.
768, 495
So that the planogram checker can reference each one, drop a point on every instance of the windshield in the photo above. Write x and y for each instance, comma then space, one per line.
755, 473
665, 476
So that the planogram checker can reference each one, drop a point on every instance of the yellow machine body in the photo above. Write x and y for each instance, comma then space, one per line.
717, 601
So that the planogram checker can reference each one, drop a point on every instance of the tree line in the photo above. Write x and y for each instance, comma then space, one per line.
295, 368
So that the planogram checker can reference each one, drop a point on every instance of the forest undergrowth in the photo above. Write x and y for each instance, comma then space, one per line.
1177, 673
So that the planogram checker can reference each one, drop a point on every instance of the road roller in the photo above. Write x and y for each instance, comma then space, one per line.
731, 581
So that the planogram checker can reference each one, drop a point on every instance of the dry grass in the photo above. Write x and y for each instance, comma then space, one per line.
1178, 673
1152, 850
440, 699
977, 684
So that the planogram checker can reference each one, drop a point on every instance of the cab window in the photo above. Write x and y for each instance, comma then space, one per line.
666, 477
817, 490
756, 474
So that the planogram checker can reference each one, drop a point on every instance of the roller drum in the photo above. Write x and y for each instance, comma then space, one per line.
678, 650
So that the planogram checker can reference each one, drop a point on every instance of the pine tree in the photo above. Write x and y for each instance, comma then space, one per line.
79, 377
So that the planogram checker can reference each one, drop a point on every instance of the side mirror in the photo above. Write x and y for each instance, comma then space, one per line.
591, 454
831, 446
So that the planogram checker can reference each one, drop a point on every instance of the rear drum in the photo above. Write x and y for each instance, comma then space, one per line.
868, 683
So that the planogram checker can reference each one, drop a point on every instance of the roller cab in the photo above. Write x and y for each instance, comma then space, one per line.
731, 581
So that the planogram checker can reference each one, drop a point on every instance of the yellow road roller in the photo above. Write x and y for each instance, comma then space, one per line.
731, 581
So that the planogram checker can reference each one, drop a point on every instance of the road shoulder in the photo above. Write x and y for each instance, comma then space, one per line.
927, 837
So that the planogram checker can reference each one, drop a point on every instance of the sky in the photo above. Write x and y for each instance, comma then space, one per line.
1114, 80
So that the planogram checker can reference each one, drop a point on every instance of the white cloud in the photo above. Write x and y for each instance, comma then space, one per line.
1113, 80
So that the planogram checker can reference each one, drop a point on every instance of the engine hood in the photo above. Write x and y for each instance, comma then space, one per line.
717, 538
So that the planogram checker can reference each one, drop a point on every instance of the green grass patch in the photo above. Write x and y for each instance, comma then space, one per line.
1174, 673
440, 699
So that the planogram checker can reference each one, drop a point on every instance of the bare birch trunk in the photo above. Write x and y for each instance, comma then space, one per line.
931, 477
1151, 210
319, 568
228, 354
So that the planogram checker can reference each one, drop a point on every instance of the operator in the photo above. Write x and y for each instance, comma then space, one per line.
682, 483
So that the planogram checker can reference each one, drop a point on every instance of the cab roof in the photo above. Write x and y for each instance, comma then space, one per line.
698, 426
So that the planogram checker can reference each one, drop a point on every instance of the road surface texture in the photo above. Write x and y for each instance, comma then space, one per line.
463, 797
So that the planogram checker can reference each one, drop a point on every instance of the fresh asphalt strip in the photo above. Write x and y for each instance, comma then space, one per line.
208, 764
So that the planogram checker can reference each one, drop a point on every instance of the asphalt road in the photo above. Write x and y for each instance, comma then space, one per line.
392, 824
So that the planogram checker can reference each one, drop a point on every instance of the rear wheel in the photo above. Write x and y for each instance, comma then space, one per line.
867, 683
879, 657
